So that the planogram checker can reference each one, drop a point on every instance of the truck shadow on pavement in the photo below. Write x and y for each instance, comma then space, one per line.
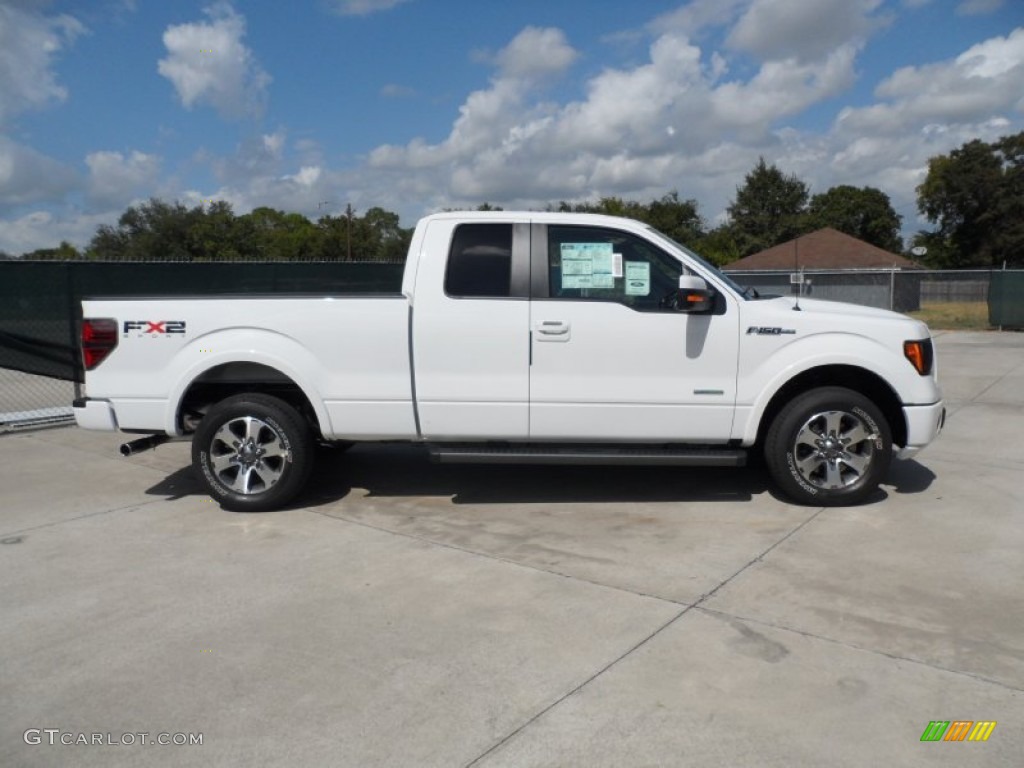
400, 471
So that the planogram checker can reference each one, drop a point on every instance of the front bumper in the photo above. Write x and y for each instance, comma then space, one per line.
94, 414
924, 423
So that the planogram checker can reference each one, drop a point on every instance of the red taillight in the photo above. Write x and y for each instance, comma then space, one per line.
99, 337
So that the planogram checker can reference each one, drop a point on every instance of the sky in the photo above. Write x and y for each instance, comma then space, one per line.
419, 105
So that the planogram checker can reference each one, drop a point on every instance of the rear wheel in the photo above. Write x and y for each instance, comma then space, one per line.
829, 446
253, 452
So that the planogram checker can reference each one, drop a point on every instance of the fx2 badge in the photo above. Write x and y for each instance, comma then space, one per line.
154, 328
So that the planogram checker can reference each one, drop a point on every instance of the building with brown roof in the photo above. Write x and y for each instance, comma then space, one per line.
824, 249
835, 266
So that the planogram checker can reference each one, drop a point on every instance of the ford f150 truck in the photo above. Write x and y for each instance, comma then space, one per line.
520, 337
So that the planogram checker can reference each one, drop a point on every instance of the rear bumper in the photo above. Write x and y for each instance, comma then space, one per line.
924, 423
94, 414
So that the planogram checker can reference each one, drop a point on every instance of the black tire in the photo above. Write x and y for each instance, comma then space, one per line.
253, 452
828, 447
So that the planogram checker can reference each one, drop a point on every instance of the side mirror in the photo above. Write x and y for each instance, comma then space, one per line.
694, 295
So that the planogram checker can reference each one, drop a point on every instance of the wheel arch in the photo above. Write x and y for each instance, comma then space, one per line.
861, 380
239, 377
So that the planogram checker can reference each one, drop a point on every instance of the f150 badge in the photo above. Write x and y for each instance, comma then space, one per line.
761, 330
154, 328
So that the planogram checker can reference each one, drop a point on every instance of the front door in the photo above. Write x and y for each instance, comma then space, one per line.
612, 359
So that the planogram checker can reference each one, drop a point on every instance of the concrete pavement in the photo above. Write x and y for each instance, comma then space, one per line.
406, 614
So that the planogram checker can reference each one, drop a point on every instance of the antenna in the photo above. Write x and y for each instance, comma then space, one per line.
799, 272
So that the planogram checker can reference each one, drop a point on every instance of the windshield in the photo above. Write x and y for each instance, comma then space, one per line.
719, 274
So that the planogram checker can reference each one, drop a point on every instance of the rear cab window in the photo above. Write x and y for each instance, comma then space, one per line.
480, 262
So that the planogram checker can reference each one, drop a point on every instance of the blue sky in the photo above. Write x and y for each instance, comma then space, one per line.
417, 105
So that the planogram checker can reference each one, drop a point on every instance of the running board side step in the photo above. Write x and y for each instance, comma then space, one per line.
683, 456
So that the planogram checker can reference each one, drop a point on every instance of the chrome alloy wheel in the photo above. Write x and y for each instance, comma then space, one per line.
247, 455
834, 449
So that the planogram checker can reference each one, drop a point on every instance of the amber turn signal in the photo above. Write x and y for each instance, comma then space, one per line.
920, 355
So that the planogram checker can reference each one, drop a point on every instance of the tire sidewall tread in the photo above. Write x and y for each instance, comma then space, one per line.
781, 435
295, 434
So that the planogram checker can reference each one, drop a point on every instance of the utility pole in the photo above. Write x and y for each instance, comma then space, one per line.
348, 213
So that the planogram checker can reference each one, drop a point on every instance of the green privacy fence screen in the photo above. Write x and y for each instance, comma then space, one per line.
40, 301
1006, 300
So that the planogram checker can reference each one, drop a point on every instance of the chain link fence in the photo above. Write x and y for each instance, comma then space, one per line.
961, 299
40, 307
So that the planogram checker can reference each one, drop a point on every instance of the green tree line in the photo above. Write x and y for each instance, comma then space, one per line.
973, 197
162, 231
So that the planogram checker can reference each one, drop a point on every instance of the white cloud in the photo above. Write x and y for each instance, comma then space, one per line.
979, 7
680, 120
686, 116
256, 156
796, 29
364, 7
922, 112
396, 91
29, 41
208, 63
981, 83
694, 17
536, 52
44, 229
638, 131
28, 176
115, 179
307, 176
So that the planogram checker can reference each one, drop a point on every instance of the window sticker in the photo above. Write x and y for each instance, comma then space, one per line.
587, 265
616, 265
638, 278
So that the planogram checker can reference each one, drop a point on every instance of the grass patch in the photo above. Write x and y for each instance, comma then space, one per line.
954, 315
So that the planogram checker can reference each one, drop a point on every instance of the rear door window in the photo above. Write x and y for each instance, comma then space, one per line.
480, 262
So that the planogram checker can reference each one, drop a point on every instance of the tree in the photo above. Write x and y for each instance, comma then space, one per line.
212, 234
975, 196
375, 236
64, 252
679, 219
279, 236
719, 246
390, 241
770, 208
151, 230
865, 213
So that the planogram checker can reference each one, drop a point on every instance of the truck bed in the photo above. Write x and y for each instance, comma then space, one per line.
40, 300
350, 354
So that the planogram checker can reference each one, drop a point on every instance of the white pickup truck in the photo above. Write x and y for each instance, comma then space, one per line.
520, 337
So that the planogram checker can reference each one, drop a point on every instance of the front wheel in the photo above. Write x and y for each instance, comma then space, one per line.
253, 452
829, 446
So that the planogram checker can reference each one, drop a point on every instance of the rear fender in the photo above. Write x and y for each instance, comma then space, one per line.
247, 345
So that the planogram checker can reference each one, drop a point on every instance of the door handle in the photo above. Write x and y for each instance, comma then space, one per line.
553, 328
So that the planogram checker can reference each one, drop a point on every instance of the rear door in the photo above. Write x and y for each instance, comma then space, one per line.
612, 360
470, 322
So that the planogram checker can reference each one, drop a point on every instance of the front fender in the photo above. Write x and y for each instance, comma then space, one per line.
764, 371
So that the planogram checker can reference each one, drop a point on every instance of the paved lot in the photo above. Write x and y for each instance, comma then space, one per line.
412, 615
